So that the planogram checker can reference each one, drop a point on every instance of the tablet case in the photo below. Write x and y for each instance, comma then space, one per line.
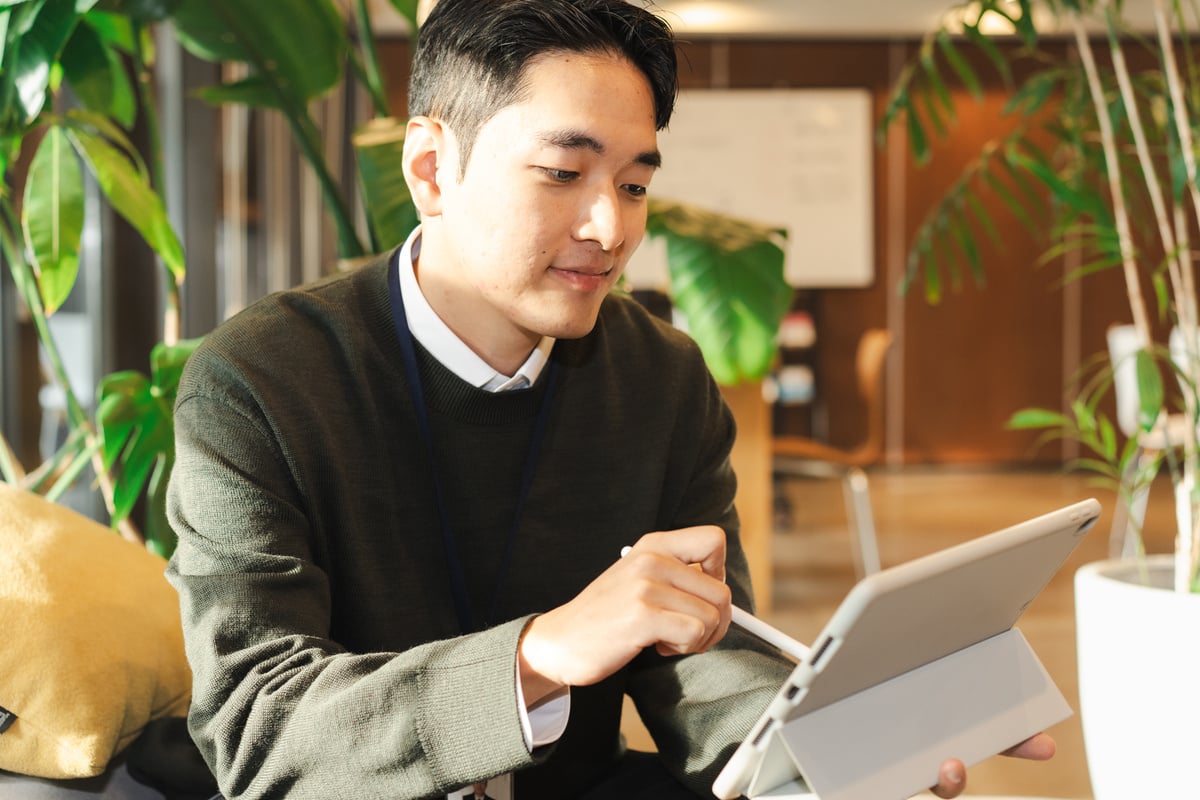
873, 729
890, 740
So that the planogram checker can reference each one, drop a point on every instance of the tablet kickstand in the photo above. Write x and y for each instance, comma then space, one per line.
888, 742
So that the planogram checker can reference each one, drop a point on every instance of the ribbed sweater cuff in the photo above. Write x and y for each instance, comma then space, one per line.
478, 692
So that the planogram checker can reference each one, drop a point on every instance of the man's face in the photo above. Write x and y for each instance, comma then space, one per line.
551, 206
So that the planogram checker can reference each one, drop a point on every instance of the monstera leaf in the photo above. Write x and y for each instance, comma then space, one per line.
727, 280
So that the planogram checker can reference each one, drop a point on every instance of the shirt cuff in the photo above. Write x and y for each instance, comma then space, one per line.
544, 723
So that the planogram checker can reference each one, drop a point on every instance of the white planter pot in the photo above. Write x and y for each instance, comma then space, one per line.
1139, 680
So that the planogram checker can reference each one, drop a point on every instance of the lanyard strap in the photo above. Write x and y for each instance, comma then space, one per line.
458, 581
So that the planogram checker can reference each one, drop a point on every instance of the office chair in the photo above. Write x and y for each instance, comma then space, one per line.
1130, 511
799, 455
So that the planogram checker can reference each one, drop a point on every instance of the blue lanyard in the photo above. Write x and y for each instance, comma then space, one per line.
458, 581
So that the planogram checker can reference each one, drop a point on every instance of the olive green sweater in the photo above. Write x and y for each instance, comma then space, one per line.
317, 611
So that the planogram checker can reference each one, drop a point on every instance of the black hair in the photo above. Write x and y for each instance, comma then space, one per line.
472, 55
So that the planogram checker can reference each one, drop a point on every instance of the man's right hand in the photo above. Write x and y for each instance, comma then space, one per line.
668, 592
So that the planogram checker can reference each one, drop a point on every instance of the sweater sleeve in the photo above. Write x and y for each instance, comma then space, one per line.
279, 708
699, 707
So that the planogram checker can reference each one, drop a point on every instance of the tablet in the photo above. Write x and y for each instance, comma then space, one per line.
906, 618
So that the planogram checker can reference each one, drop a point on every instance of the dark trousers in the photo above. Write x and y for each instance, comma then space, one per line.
640, 776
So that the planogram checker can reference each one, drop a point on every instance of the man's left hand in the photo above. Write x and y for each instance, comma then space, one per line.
952, 778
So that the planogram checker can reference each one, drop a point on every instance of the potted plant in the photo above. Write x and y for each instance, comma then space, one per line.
100, 52
1117, 186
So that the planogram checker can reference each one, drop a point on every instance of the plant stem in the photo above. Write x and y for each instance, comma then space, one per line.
371, 74
1133, 287
27, 285
10, 468
305, 130
1149, 173
1188, 557
147, 102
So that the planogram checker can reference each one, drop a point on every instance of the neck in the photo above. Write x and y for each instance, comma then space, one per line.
503, 345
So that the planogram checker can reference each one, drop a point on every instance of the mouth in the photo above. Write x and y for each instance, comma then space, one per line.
583, 278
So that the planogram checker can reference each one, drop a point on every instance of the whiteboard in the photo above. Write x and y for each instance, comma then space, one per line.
800, 159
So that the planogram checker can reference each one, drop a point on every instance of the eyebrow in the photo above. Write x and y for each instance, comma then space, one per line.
577, 140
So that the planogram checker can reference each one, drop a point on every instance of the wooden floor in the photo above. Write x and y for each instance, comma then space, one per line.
921, 510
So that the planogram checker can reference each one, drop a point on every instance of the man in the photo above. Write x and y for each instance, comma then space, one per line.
401, 493
478, 792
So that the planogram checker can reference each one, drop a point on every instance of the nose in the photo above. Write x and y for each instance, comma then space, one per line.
601, 220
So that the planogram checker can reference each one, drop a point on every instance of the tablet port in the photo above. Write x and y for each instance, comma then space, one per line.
762, 731
816, 658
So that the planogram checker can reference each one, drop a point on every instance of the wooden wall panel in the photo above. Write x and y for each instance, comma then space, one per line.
963, 366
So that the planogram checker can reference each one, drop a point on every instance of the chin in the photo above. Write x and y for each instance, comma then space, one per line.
571, 319
572, 327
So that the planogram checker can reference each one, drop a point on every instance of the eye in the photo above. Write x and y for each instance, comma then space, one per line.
635, 190
560, 175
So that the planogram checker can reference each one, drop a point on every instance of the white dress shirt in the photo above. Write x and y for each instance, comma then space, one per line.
546, 722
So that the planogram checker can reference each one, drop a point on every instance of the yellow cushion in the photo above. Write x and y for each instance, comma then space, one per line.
91, 646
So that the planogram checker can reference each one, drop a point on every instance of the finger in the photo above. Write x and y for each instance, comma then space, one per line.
701, 544
683, 621
952, 779
701, 638
1040, 747
663, 576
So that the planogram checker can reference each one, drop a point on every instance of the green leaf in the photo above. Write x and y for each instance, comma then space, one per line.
40, 48
52, 217
1078, 198
933, 75
959, 65
1033, 93
1024, 23
252, 91
961, 233
167, 362
1108, 440
984, 43
727, 280
131, 196
94, 67
134, 417
114, 29
25, 15
87, 69
934, 114
1010, 200
918, 142
983, 217
1150, 390
379, 147
141, 10
300, 60
1032, 418
102, 125
408, 10
5, 20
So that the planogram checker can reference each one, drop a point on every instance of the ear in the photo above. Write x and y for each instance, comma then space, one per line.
427, 157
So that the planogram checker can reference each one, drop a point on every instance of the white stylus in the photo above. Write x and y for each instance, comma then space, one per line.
769, 634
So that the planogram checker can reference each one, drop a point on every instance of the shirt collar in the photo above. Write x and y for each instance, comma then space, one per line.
444, 345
